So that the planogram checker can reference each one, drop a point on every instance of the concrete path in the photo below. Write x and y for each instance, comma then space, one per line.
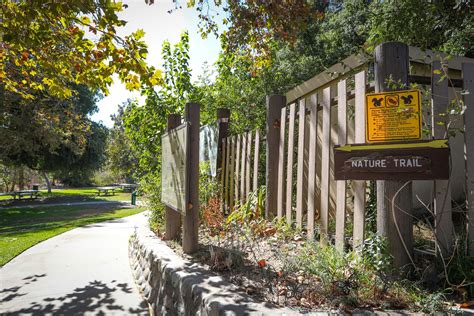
84, 271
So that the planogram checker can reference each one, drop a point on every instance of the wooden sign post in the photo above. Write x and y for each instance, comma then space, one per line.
180, 176
191, 220
394, 223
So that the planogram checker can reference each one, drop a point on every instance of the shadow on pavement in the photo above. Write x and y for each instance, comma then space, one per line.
8, 294
95, 297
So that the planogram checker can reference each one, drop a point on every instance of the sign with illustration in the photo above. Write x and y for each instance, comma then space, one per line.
424, 160
393, 116
174, 165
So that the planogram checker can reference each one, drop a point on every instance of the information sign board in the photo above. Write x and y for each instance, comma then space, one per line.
393, 116
174, 168
425, 160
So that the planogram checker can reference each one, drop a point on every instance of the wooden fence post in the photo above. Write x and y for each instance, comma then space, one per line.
191, 219
468, 84
392, 63
172, 217
223, 117
442, 191
274, 105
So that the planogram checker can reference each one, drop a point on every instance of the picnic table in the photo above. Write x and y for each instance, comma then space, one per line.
106, 190
32, 194
128, 187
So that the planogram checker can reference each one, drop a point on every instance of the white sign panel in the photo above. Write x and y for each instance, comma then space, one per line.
208, 147
174, 162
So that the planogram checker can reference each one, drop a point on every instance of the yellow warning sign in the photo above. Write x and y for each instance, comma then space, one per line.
393, 116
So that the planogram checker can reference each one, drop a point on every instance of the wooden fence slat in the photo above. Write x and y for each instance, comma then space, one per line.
256, 159
247, 168
468, 84
222, 174
232, 173
442, 191
289, 166
300, 163
227, 174
313, 139
243, 143
281, 165
237, 170
358, 186
341, 185
325, 151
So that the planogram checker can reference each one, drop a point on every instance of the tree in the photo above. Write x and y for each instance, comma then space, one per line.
145, 124
49, 133
49, 44
355, 26
121, 159
77, 169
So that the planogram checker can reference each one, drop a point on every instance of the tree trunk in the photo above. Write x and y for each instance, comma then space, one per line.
48, 184
21, 177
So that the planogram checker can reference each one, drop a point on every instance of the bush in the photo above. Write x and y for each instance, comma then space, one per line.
150, 187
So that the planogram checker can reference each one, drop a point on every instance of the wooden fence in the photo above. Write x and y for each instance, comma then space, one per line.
239, 165
328, 110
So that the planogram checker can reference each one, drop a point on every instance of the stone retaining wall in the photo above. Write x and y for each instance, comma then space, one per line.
174, 286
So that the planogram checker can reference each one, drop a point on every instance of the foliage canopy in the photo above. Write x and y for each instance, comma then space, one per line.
47, 45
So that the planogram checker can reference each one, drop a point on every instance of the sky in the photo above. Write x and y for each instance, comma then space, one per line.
159, 25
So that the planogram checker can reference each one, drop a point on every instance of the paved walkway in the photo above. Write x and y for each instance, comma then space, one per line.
84, 271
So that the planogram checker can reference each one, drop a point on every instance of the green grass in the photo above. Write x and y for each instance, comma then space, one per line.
87, 193
21, 228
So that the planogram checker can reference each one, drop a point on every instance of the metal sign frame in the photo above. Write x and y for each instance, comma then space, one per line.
185, 199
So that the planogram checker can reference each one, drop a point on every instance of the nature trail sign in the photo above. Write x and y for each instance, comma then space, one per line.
425, 160
393, 116
174, 164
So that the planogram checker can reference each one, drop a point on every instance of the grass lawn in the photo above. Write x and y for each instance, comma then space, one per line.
84, 193
21, 228
88, 193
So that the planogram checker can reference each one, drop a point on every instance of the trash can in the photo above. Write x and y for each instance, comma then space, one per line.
35, 187
134, 198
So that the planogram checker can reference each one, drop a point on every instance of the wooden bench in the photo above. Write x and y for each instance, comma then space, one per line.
106, 190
